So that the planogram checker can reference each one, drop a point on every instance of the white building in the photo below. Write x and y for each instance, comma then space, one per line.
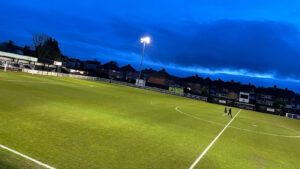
244, 97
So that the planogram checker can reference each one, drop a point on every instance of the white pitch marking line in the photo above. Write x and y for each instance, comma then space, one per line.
195, 117
210, 145
251, 131
28, 158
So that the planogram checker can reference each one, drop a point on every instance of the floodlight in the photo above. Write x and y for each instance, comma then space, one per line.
145, 40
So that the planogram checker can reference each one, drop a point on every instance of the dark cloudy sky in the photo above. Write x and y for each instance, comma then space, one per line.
250, 41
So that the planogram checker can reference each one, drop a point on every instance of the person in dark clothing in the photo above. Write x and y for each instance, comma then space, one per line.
229, 112
225, 111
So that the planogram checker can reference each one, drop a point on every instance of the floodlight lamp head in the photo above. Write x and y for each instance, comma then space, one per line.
145, 40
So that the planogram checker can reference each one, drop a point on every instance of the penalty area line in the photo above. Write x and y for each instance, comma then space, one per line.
25, 156
211, 144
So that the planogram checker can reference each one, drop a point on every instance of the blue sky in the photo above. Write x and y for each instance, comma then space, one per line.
248, 41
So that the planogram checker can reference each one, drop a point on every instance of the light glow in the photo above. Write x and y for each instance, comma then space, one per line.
145, 40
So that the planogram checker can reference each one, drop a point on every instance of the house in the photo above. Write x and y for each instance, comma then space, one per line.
73, 63
111, 70
240, 92
129, 73
159, 79
221, 93
276, 97
145, 74
297, 106
91, 65
219, 89
175, 82
193, 85
264, 99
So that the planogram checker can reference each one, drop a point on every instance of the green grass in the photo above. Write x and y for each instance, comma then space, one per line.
72, 124
12, 161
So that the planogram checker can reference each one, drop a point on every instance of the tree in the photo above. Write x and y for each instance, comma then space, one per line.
204, 91
81, 66
278, 104
46, 47
51, 50
96, 60
27, 51
207, 79
38, 41
233, 95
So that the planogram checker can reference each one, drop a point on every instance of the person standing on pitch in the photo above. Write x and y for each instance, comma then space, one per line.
229, 112
225, 111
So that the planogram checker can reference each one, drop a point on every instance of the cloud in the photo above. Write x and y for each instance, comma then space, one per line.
254, 46
249, 47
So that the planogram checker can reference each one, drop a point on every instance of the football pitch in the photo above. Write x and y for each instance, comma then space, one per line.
69, 123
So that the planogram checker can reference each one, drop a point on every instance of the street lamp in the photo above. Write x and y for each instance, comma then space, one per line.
144, 40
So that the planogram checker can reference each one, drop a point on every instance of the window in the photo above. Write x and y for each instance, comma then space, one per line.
243, 96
